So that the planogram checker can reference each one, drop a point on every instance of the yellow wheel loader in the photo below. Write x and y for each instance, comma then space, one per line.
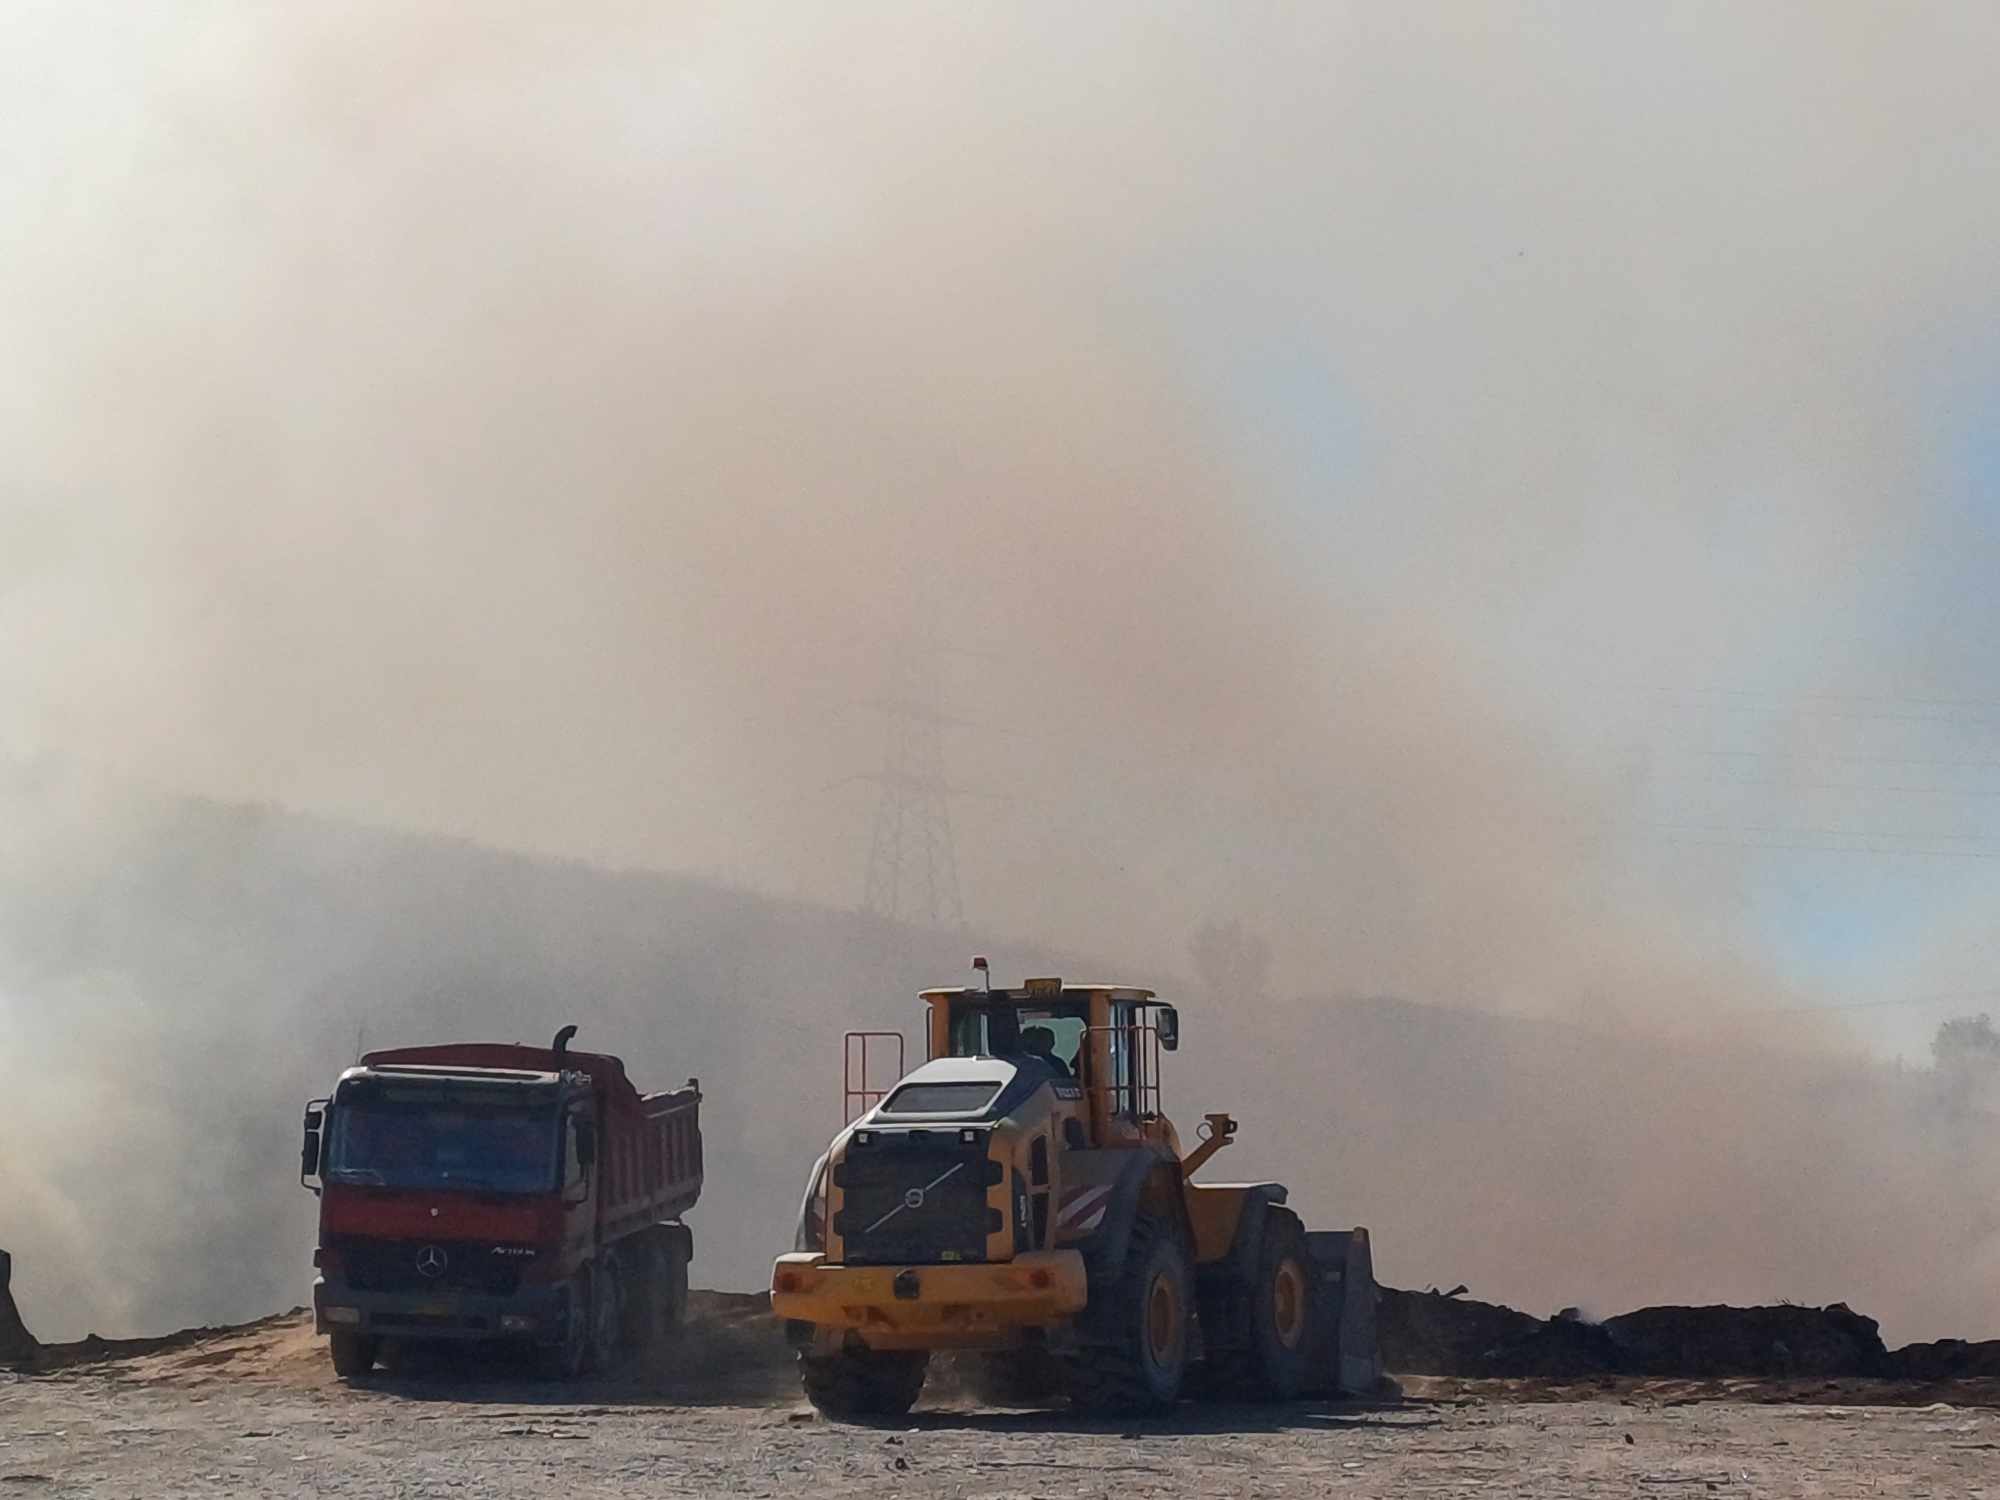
1021, 1200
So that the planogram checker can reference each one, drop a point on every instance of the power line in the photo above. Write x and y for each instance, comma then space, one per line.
1836, 849
1821, 755
1907, 1001
1909, 835
1827, 786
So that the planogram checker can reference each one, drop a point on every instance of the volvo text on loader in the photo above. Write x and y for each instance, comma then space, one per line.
1020, 1197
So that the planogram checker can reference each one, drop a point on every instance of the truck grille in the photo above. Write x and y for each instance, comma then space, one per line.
399, 1266
915, 1197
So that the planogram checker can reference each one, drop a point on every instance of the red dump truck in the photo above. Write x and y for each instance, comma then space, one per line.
484, 1191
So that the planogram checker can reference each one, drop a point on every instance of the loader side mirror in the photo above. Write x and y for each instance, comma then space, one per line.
1167, 1023
586, 1141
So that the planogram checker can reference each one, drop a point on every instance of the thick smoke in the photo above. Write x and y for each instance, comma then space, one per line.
544, 430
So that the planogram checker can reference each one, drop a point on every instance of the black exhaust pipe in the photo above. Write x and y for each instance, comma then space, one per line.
560, 1046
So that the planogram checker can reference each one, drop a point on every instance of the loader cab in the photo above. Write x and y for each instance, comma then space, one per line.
1105, 1040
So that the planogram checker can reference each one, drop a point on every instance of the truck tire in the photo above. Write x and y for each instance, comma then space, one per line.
1012, 1377
670, 1302
1266, 1358
353, 1354
861, 1383
607, 1316
1139, 1354
566, 1357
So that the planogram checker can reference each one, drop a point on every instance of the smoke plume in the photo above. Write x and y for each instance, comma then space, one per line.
547, 429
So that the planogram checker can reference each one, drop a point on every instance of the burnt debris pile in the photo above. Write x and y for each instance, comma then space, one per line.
17, 1345
1947, 1359
1429, 1333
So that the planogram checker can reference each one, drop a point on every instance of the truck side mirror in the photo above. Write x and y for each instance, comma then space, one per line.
310, 1146
586, 1141
1167, 1023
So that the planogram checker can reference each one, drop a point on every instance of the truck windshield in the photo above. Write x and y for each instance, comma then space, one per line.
424, 1138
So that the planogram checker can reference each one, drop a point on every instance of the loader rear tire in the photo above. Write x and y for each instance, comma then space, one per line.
1267, 1359
353, 1354
1140, 1355
861, 1383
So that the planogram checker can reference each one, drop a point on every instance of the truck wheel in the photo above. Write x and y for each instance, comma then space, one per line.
855, 1383
565, 1358
656, 1302
1266, 1360
607, 1316
670, 1304
1012, 1377
353, 1354
1140, 1365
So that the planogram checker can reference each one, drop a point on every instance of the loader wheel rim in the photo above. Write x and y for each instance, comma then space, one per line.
1163, 1319
1288, 1303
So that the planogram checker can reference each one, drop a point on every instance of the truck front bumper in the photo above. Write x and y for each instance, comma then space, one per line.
930, 1306
532, 1313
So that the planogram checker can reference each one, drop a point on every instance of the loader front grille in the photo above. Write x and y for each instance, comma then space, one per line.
915, 1197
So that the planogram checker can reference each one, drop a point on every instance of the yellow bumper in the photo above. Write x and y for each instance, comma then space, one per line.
947, 1303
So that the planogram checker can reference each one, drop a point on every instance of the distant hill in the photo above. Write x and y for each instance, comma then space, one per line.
178, 976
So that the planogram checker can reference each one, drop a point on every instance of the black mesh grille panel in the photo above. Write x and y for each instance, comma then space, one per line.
914, 1198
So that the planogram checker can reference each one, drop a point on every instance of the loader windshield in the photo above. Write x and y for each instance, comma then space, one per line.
426, 1136
1053, 1033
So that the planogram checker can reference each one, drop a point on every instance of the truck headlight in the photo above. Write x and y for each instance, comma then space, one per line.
348, 1316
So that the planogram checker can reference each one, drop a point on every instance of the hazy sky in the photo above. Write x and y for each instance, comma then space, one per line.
1489, 496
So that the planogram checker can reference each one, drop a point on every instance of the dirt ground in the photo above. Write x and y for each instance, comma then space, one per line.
255, 1411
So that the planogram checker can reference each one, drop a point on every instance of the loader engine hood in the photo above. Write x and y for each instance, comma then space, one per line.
960, 1090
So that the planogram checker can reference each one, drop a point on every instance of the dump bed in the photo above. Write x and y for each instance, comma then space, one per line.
649, 1165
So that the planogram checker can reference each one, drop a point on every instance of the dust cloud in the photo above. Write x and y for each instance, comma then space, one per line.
544, 434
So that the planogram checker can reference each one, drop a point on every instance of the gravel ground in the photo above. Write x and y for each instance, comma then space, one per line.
254, 1412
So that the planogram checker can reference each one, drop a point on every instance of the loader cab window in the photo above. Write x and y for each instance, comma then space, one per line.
1052, 1032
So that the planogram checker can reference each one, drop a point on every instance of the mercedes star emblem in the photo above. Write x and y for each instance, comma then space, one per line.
431, 1261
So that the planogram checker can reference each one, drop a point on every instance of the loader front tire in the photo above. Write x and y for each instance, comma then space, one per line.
1266, 1360
1137, 1357
853, 1384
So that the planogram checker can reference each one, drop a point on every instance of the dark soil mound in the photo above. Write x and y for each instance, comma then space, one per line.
1426, 1333
17, 1345
1947, 1359
1785, 1340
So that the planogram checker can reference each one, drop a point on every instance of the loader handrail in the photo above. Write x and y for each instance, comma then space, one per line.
859, 1093
1137, 1096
